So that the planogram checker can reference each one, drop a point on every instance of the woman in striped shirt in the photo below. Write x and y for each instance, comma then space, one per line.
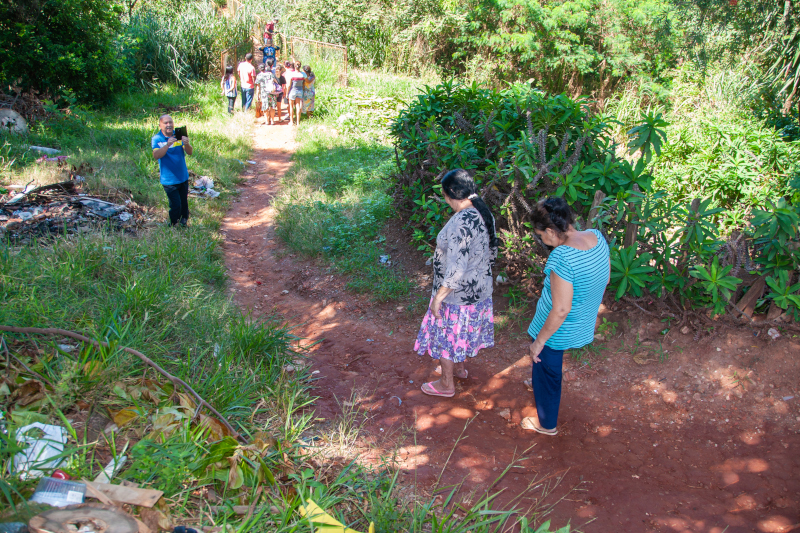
577, 272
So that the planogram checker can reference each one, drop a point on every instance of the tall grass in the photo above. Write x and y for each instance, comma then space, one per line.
181, 42
161, 291
335, 200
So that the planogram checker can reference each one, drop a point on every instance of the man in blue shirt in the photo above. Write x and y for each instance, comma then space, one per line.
171, 156
269, 52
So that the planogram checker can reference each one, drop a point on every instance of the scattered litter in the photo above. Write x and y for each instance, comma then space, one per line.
384, 259
51, 151
203, 188
346, 117
40, 451
787, 398
502, 279
505, 413
84, 519
599, 337
101, 207
288, 368
111, 470
125, 494
57, 159
284, 292
59, 492
13, 122
204, 181
252, 162
315, 372
370, 340
60, 474
685, 330
428, 262
399, 401
719, 349
773, 333
125, 216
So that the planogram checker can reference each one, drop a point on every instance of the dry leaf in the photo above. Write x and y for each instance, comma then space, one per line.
125, 416
27, 393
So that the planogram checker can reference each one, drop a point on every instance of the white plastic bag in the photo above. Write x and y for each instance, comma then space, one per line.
40, 451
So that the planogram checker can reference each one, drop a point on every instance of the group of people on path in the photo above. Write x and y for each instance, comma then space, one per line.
460, 321
272, 84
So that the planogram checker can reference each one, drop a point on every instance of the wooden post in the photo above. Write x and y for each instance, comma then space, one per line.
599, 196
632, 228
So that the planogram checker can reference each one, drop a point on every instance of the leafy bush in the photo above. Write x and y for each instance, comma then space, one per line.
521, 145
56, 46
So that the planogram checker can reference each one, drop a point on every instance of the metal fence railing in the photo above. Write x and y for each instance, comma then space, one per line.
307, 50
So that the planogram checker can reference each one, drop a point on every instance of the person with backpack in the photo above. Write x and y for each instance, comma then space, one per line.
268, 90
229, 87
269, 51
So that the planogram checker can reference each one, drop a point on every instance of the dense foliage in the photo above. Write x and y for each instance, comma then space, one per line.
62, 45
522, 145
182, 42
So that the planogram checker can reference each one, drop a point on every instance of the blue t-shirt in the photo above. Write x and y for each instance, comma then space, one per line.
173, 164
269, 53
587, 271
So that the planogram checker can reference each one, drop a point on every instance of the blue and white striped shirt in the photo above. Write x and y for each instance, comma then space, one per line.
587, 271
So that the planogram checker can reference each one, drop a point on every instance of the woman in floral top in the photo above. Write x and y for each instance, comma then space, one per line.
459, 321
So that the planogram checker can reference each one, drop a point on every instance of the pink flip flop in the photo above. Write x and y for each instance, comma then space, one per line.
431, 391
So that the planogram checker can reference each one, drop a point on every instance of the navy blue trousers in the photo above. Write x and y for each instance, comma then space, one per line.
546, 380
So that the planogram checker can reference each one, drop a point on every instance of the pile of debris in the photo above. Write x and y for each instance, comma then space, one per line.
60, 208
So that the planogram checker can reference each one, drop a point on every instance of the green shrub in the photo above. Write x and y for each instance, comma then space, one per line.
62, 46
522, 145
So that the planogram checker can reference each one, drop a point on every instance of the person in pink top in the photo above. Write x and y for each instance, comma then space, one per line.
295, 78
247, 75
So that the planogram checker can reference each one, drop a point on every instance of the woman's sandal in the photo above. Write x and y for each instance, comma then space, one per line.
438, 370
531, 423
431, 391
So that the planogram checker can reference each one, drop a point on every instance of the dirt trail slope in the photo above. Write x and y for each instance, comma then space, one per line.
679, 446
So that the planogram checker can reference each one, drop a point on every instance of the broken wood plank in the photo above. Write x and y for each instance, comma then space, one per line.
747, 303
130, 495
632, 228
599, 196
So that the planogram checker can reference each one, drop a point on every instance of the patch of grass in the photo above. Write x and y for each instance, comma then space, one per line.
335, 201
161, 291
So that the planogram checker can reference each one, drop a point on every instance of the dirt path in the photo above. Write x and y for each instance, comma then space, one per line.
706, 441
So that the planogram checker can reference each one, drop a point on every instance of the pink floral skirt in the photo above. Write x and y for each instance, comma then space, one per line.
460, 333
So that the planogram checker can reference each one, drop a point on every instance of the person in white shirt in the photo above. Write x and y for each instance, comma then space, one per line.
247, 75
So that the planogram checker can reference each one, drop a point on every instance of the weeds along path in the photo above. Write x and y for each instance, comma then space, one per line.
671, 446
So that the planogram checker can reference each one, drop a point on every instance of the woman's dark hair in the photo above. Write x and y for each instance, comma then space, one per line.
553, 213
307, 69
262, 67
459, 186
229, 71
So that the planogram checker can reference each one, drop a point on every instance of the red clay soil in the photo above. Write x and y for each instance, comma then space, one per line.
701, 438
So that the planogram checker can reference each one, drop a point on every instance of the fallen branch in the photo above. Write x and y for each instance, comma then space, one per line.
146, 360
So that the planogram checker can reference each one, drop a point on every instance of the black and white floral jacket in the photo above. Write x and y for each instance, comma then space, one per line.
463, 259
